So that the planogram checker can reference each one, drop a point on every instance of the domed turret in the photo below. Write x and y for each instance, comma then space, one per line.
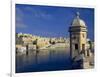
77, 21
78, 36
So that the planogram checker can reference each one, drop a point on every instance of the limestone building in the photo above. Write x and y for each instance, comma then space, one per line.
78, 36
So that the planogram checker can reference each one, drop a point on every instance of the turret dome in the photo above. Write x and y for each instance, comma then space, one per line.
77, 21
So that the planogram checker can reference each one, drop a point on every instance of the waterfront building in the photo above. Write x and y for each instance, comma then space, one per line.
80, 51
78, 36
43, 42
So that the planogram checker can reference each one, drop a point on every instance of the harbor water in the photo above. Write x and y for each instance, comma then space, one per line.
43, 60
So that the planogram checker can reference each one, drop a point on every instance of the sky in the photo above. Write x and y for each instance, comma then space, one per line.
51, 21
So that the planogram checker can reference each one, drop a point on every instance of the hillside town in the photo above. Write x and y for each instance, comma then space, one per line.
34, 42
28, 42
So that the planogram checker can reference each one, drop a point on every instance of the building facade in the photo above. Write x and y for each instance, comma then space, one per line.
78, 36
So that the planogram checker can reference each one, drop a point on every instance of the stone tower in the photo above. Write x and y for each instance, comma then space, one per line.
78, 36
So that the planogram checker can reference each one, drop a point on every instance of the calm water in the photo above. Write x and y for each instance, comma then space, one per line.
43, 60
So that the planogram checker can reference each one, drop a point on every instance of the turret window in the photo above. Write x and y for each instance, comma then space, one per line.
76, 46
83, 35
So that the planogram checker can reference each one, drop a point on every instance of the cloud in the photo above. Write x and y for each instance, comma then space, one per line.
21, 25
33, 14
19, 18
37, 13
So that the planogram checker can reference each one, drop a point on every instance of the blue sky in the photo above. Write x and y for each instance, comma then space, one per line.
51, 21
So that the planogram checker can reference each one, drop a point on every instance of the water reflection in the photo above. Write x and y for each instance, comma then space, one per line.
43, 60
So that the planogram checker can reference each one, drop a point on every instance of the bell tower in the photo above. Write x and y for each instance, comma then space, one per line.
78, 36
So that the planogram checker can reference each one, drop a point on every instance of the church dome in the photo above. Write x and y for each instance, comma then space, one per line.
78, 22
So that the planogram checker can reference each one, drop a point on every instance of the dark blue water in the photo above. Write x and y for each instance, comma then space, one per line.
43, 60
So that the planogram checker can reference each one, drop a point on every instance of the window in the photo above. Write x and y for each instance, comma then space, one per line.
83, 35
83, 46
76, 46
